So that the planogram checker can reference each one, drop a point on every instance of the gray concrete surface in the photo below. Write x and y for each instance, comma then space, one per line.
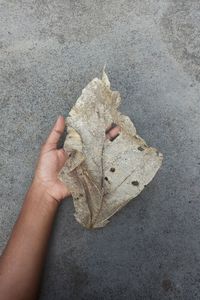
49, 50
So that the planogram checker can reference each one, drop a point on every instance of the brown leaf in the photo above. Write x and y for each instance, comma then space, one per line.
104, 175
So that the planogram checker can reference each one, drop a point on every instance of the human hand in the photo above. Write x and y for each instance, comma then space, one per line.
50, 162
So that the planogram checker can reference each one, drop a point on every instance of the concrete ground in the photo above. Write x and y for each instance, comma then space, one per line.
49, 50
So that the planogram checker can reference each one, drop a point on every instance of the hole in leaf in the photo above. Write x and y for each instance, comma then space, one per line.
140, 148
113, 138
113, 125
135, 183
112, 132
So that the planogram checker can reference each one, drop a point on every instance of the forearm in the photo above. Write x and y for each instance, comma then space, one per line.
22, 261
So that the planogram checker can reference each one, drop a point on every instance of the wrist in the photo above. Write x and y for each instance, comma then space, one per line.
41, 190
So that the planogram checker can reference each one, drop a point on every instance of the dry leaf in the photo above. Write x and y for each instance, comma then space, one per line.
104, 175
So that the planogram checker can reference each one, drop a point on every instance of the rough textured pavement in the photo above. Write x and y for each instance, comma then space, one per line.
49, 50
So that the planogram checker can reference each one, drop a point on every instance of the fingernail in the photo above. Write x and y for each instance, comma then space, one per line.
113, 125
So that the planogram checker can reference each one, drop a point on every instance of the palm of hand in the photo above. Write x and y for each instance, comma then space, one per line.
51, 161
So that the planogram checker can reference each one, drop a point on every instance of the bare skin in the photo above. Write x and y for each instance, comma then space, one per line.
22, 261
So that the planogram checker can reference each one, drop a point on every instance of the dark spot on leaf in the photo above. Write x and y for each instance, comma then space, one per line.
106, 178
81, 195
166, 284
140, 148
112, 169
135, 183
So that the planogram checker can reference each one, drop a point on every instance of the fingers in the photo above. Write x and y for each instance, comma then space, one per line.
112, 132
57, 131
